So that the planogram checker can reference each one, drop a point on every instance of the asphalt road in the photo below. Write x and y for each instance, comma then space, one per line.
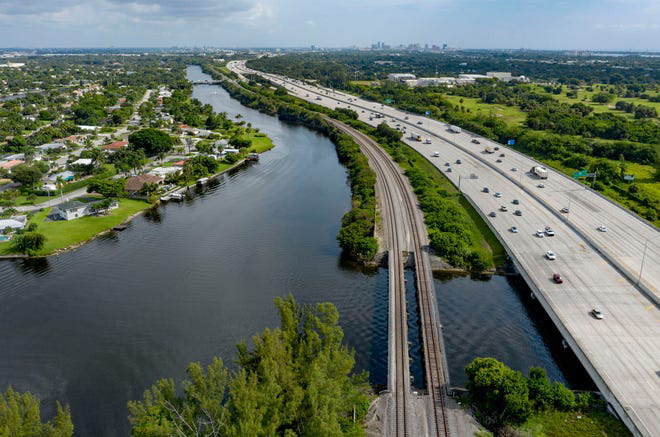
622, 351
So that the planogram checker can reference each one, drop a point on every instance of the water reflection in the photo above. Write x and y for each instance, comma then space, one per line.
34, 266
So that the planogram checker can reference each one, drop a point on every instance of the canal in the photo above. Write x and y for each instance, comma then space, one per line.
95, 327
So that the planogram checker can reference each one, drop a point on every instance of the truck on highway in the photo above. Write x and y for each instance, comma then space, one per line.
455, 129
540, 171
489, 149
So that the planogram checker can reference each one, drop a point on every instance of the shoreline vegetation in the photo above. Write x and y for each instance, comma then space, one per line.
295, 379
356, 236
457, 233
59, 236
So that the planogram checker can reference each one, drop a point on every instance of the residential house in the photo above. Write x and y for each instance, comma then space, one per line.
66, 176
135, 184
15, 222
117, 145
74, 209
8, 165
82, 161
163, 171
50, 146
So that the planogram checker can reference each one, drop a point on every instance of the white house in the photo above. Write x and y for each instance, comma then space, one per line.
16, 222
82, 161
74, 209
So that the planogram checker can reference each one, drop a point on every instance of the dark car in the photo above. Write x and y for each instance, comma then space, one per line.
499, 160
492, 214
476, 141
518, 212
486, 190
557, 278
458, 161
502, 155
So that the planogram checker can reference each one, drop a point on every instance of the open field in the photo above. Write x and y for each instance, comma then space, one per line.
584, 96
62, 234
510, 114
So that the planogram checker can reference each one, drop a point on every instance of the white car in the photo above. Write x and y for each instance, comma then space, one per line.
602, 228
539, 233
427, 141
436, 154
597, 314
550, 255
514, 229
541, 185
549, 232
498, 194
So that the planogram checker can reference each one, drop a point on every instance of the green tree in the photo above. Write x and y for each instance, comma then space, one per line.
108, 187
540, 390
27, 175
499, 393
296, 380
20, 416
28, 243
151, 141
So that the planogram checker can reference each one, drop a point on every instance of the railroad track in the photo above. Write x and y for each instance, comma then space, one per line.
389, 173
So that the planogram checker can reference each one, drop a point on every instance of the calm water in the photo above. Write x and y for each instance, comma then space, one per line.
97, 326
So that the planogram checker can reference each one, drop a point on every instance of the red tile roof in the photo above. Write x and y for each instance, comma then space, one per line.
137, 182
116, 145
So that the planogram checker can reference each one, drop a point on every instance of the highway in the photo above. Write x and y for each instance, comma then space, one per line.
621, 352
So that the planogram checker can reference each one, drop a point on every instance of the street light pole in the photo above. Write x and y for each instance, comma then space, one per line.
641, 268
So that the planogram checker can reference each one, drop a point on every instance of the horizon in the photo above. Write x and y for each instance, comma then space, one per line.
594, 25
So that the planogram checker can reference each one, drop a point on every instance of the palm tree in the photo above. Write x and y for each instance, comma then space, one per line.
60, 184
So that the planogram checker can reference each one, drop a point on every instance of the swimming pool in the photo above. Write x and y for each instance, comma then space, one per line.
4, 238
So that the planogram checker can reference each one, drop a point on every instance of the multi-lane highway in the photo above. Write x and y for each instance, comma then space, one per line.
621, 351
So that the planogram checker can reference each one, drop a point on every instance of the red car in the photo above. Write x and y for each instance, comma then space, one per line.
557, 278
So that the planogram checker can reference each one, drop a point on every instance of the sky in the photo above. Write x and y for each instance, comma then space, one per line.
531, 24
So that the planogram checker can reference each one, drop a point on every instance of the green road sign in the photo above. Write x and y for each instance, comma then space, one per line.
580, 174
388, 100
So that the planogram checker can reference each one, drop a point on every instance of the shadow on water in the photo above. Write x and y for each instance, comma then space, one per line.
154, 215
33, 266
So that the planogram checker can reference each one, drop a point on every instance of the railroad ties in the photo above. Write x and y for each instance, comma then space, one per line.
400, 210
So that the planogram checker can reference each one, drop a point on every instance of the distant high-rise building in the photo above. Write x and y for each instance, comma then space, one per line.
444, 47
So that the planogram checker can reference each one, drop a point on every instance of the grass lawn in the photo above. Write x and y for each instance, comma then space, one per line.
260, 142
61, 234
510, 114
22, 200
557, 423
